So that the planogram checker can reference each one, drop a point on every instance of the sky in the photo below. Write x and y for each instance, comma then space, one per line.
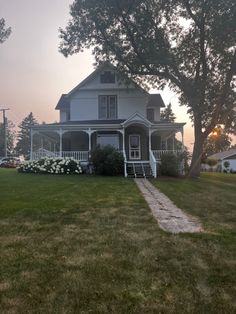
33, 74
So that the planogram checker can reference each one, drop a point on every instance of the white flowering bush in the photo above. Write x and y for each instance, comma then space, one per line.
51, 166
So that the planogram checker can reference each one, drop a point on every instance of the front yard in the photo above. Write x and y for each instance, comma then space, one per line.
80, 244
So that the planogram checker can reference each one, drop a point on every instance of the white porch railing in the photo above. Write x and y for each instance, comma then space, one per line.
153, 163
78, 155
44, 153
158, 153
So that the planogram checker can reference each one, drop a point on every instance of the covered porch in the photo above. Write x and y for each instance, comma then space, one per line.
139, 140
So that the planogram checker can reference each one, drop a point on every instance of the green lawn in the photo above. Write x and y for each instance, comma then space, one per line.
80, 244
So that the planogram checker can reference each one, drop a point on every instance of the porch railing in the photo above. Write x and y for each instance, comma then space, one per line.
153, 163
158, 153
78, 155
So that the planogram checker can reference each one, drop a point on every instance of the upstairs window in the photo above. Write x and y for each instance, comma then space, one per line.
107, 77
107, 107
150, 114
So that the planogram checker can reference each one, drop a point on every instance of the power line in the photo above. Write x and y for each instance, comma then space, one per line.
5, 129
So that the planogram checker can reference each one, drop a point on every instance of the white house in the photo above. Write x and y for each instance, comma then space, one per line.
222, 157
104, 110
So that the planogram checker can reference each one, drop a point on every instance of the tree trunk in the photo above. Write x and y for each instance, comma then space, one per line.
195, 166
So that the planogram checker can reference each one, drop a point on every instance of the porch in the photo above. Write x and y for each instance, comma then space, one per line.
139, 140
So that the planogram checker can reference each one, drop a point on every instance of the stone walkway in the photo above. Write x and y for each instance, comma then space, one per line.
170, 218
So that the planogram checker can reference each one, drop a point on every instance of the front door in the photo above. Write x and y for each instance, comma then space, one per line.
134, 147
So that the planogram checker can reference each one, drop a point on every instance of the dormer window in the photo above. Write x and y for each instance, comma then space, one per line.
107, 77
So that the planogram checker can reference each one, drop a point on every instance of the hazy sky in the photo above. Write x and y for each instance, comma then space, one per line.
33, 74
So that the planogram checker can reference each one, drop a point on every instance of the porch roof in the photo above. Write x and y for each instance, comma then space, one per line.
115, 123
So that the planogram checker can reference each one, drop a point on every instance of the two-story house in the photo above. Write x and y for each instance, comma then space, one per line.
103, 110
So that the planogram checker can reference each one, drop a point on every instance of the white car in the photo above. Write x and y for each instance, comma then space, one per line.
10, 162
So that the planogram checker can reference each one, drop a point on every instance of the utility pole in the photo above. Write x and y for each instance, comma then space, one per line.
5, 129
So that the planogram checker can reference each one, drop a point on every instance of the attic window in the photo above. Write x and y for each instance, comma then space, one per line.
107, 77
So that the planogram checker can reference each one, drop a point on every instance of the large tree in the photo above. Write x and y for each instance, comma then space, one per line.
4, 31
23, 138
187, 44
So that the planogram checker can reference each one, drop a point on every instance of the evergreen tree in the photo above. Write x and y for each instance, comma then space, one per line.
23, 143
10, 137
167, 114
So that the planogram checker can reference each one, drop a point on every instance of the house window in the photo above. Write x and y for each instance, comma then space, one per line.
150, 114
107, 77
107, 107
108, 139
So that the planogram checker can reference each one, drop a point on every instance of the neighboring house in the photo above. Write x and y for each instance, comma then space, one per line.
229, 156
104, 110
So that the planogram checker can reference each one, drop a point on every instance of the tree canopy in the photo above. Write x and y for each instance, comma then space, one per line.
217, 142
188, 44
4, 31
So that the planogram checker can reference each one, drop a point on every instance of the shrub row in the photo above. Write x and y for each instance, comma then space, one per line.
51, 166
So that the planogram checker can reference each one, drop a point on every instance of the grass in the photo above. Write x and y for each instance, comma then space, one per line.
80, 244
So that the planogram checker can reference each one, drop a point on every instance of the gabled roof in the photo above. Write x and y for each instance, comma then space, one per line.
155, 100
137, 117
95, 72
224, 155
63, 102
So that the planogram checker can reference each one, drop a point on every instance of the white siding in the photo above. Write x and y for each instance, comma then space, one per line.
63, 116
84, 104
157, 114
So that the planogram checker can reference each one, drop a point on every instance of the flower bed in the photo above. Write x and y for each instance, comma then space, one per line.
51, 166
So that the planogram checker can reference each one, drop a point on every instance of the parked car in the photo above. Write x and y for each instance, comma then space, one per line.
9, 162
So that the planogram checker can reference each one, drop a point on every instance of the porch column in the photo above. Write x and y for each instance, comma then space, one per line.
123, 148
31, 144
123, 138
150, 139
60, 135
89, 132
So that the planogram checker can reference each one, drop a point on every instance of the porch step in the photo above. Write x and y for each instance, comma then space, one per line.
139, 170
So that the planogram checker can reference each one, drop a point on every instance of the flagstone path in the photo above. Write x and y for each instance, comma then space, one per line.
170, 218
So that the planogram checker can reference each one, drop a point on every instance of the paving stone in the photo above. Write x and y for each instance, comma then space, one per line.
170, 218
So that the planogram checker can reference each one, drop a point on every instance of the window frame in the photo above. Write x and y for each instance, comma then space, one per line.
109, 79
108, 107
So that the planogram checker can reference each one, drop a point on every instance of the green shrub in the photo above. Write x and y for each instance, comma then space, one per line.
51, 166
211, 162
170, 165
107, 161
